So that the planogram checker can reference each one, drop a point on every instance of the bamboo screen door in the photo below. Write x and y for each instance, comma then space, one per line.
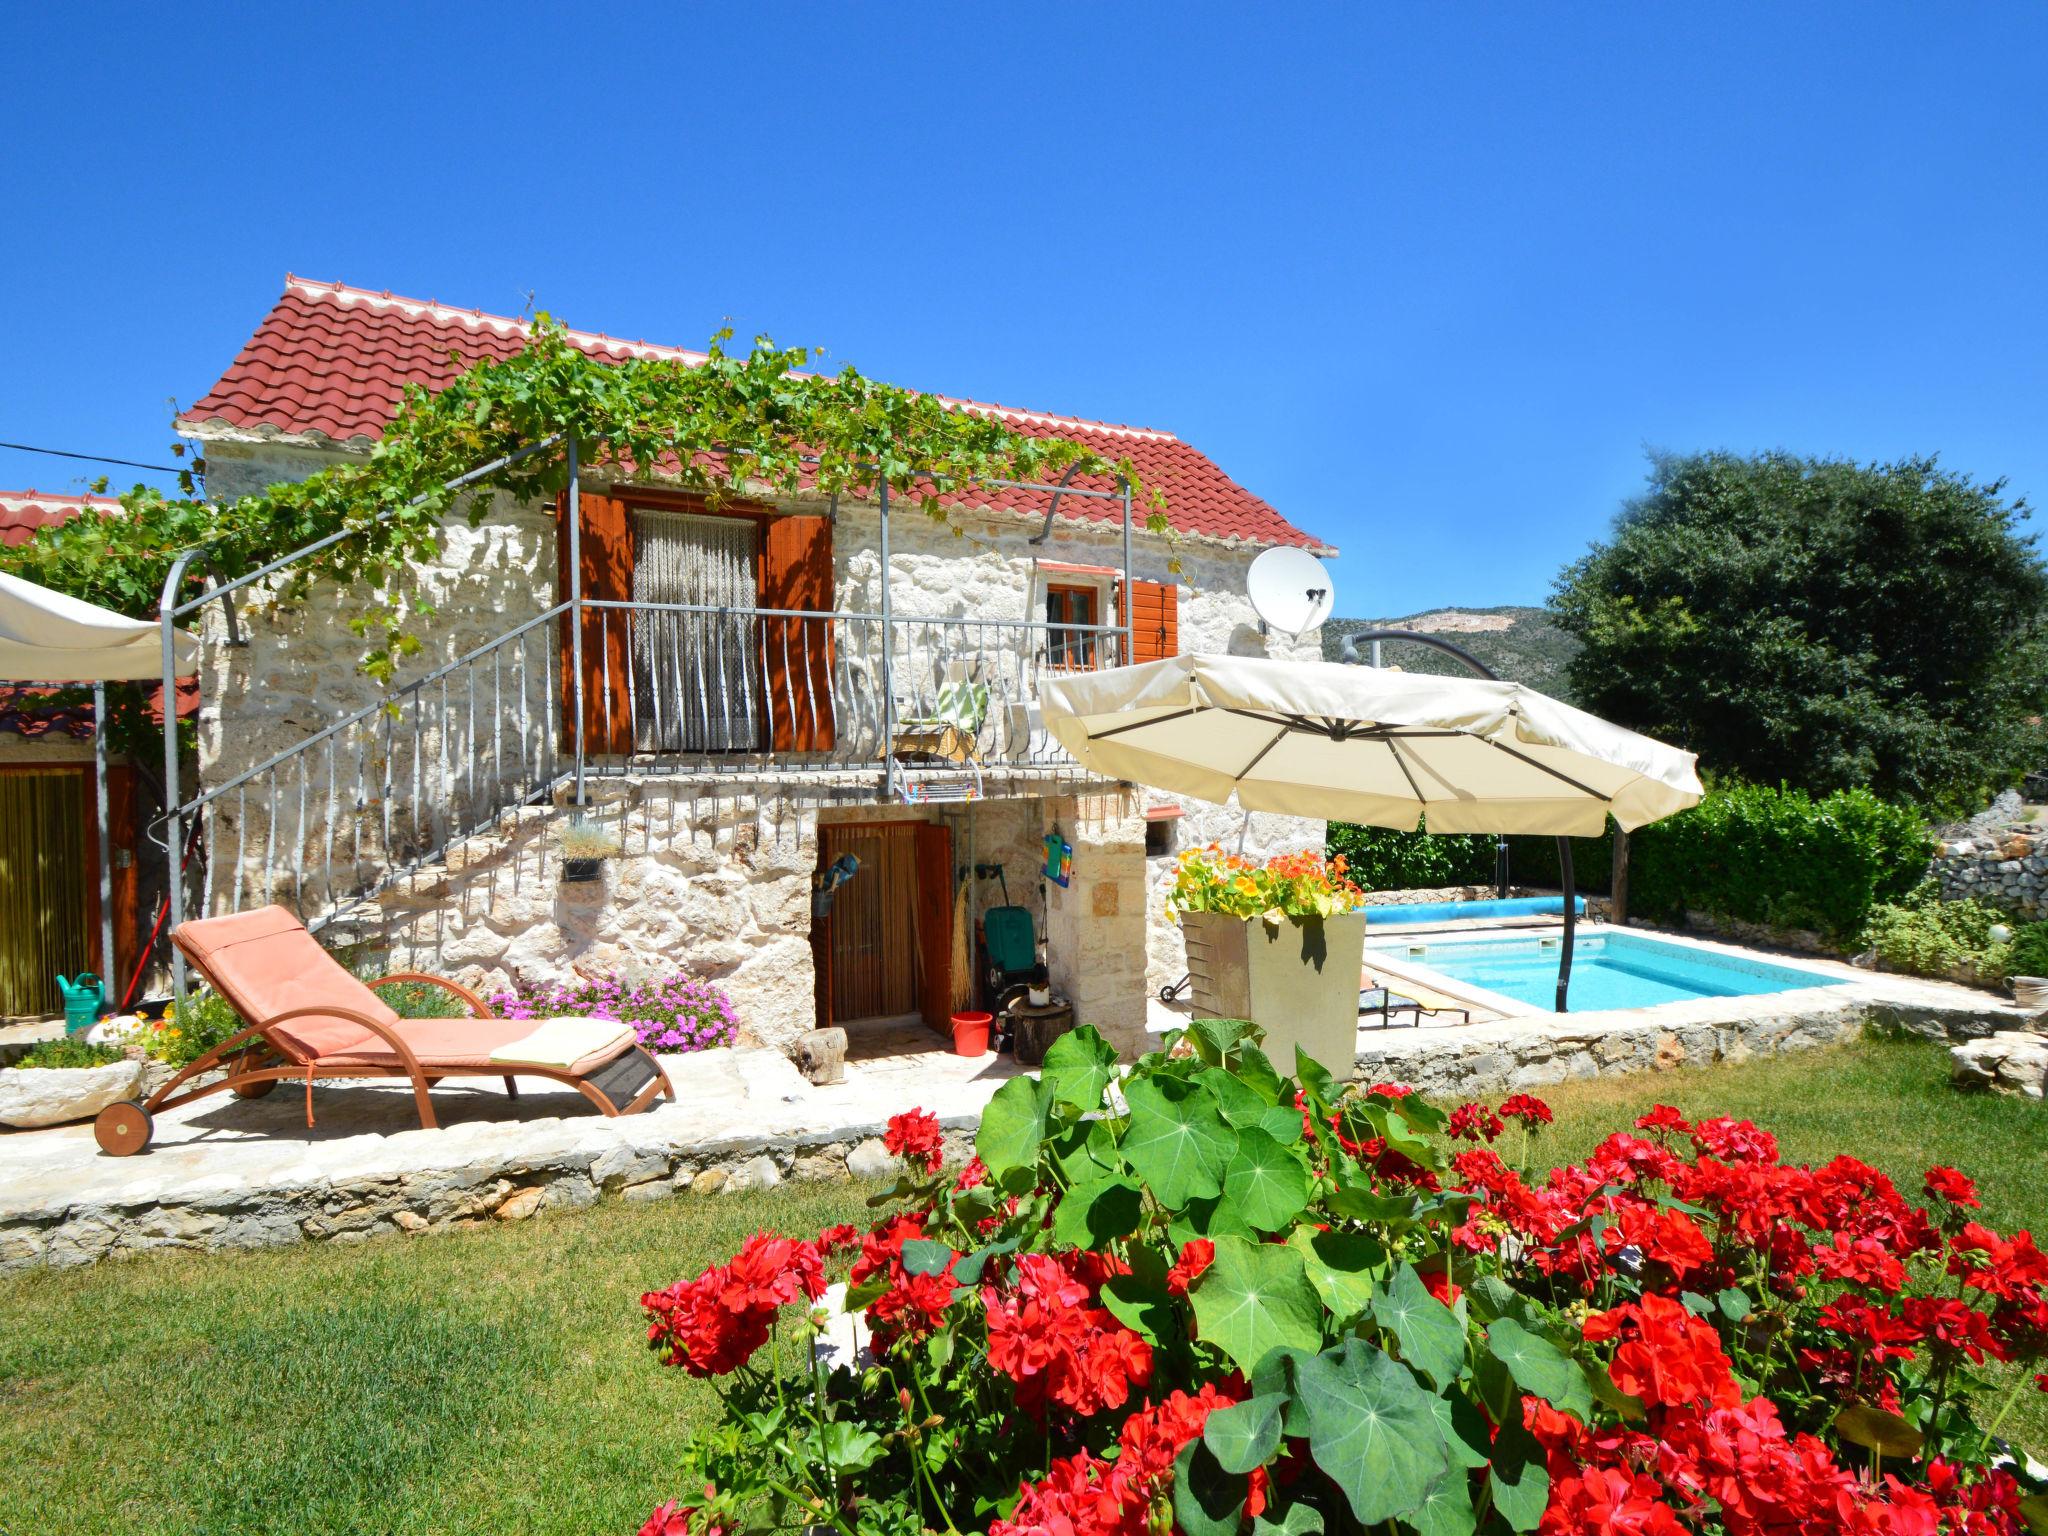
887, 947
48, 850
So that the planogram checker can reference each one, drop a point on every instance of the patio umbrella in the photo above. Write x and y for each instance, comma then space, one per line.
1337, 742
47, 637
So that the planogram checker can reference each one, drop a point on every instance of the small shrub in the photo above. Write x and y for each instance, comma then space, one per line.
422, 1000
1382, 859
586, 839
2028, 955
1926, 936
669, 1013
69, 1052
1782, 858
189, 1030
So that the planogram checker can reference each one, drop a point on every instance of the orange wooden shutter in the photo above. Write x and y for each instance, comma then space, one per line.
1154, 621
935, 925
607, 556
796, 654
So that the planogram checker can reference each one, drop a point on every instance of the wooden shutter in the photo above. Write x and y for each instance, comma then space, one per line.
796, 654
1154, 620
607, 557
935, 925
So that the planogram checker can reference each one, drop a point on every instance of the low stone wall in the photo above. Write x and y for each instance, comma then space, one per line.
2008, 868
566, 1172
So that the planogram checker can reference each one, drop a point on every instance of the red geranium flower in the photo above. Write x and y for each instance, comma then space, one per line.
915, 1137
1196, 1255
1949, 1185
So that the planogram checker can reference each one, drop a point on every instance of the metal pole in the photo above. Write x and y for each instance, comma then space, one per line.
576, 611
99, 762
888, 639
174, 824
1564, 844
1130, 597
1571, 919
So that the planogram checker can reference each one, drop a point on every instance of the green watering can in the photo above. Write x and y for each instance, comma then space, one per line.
83, 1002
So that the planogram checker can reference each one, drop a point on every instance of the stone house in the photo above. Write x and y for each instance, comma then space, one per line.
765, 687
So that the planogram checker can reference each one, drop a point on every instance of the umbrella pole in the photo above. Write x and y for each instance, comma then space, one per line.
1571, 905
99, 763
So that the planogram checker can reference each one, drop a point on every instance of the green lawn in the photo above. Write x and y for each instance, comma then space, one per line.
495, 1380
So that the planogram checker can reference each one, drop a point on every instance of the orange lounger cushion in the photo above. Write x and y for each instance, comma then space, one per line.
461, 1045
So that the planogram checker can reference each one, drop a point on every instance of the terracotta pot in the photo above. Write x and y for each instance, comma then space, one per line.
1296, 979
970, 1033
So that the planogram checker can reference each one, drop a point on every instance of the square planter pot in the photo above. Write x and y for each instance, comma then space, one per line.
1297, 980
582, 871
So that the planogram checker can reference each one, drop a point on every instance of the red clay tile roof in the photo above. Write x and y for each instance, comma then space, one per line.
328, 363
22, 512
23, 713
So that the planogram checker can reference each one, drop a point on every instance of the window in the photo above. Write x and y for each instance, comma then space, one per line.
697, 680
1073, 648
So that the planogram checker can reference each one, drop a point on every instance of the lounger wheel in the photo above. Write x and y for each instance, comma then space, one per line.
123, 1129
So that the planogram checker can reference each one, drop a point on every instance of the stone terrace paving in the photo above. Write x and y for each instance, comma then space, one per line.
229, 1173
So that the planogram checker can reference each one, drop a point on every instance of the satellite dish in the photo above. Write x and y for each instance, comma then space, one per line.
1290, 589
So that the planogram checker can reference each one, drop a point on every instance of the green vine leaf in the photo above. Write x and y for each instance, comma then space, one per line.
1265, 1184
1539, 1366
1372, 1429
1431, 1337
1255, 1298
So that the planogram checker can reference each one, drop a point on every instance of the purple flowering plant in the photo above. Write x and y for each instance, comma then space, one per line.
669, 1013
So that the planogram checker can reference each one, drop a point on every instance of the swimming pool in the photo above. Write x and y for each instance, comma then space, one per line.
1394, 915
1609, 970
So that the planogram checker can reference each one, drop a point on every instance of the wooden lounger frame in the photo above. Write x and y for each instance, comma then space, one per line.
248, 1055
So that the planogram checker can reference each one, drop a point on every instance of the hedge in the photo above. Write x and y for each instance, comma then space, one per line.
1774, 856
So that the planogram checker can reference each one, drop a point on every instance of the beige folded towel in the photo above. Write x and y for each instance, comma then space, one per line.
564, 1042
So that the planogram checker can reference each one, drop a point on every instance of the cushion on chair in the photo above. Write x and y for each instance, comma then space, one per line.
567, 1043
265, 963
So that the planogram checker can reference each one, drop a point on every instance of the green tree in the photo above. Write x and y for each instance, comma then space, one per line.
1818, 622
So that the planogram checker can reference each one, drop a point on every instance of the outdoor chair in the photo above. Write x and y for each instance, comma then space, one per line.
951, 729
309, 1018
1412, 999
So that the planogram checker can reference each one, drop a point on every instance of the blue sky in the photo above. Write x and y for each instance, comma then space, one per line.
1429, 280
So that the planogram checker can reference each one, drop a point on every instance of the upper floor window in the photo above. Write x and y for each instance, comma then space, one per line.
1077, 606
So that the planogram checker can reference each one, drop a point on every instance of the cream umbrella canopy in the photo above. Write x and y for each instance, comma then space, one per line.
47, 637
1349, 743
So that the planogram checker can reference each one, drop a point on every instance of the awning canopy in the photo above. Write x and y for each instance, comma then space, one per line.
47, 637
1367, 744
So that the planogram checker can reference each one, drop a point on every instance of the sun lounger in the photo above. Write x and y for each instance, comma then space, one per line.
309, 1018
1411, 997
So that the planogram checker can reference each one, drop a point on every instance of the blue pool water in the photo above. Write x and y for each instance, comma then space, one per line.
1609, 970
1453, 911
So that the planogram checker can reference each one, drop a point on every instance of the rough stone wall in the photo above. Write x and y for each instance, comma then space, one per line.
2008, 868
1095, 926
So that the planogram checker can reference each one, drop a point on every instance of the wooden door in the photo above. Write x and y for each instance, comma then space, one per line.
886, 950
49, 884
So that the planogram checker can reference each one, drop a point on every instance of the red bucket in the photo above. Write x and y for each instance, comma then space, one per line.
970, 1033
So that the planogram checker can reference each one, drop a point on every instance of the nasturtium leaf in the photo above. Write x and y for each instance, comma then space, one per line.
1539, 1366
1094, 1214
1696, 1304
1341, 1266
1215, 1039
1429, 1334
1626, 1404
1245, 1434
968, 1270
1295, 1520
1078, 1066
1447, 1511
1265, 1182
922, 1256
1467, 1437
1083, 1153
1520, 1482
1176, 1140
1012, 1126
1275, 1378
1283, 1123
1372, 1430
1734, 1303
1877, 1430
1256, 1068
1422, 1114
1491, 1297
1207, 1501
1239, 1104
1389, 1123
1255, 1298
1210, 1218
1315, 1080
1143, 1308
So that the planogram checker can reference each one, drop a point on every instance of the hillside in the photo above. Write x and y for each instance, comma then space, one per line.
1521, 644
